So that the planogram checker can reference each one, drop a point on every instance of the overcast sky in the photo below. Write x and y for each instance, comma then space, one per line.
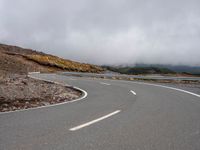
106, 31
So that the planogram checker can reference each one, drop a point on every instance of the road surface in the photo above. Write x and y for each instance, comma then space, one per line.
115, 115
151, 77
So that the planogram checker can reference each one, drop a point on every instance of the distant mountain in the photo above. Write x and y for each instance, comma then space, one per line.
154, 69
175, 68
15, 59
139, 70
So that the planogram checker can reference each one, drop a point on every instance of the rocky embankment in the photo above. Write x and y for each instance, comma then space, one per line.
21, 92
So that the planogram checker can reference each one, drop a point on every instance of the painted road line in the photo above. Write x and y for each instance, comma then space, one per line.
104, 83
168, 87
132, 92
94, 121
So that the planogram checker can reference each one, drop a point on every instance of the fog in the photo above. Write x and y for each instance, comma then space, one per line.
109, 32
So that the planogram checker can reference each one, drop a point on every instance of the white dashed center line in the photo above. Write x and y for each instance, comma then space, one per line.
94, 121
104, 83
132, 92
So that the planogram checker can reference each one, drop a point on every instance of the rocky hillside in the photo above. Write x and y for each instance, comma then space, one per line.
15, 59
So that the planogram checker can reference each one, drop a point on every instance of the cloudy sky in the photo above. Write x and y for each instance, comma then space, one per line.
106, 31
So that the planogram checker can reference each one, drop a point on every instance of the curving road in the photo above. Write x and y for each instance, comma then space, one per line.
115, 115
154, 77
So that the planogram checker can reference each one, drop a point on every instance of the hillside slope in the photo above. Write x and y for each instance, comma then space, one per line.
15, 59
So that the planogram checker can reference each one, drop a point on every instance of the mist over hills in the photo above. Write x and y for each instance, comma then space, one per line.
107, 31
16, 59
175, 68
154, 69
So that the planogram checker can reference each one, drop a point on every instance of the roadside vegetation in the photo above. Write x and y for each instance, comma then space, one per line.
15, 59
63, 64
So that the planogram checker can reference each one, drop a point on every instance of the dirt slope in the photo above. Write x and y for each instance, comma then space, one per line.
15, 59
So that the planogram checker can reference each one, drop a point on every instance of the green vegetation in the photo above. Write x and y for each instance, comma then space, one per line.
181, 69
139, 70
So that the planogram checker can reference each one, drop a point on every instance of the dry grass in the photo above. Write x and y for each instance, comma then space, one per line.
53, 61
19, 60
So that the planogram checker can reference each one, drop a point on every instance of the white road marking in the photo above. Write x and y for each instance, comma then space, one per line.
94, 121
132, 92
163, 86
168, 87
104, 83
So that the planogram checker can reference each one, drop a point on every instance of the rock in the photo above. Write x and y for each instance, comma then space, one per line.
14, 108
24, 82
5, 105
45, 103
5, 109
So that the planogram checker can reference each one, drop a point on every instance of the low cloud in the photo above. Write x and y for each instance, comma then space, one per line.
106, 32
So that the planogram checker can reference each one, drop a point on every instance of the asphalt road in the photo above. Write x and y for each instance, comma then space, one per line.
154, 77
115, 115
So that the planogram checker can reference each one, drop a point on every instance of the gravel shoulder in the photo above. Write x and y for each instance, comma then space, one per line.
21, 92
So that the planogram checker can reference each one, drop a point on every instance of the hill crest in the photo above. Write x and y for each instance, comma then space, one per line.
14, 59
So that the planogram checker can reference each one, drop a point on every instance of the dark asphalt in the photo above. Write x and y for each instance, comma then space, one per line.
156, 118
154, 77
